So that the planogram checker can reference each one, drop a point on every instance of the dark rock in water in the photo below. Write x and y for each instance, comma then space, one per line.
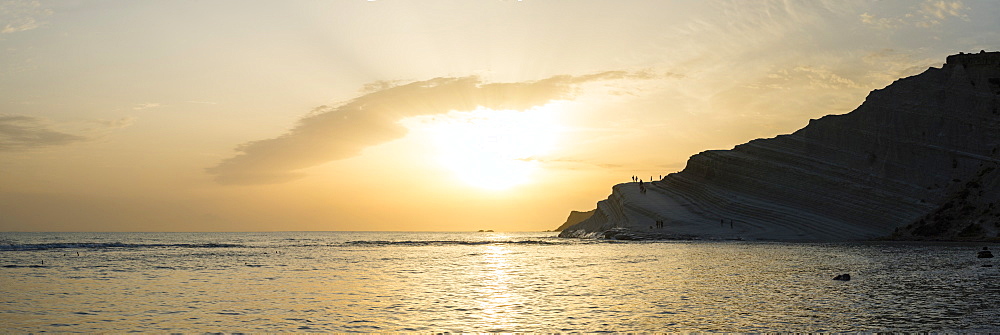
626, 237
614, 232
985, 253
843, 277
621, 234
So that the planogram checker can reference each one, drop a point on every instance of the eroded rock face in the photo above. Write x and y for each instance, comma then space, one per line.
890, 166
970, 211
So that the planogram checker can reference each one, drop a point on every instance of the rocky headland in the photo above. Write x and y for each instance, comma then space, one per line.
919, 159
575, 217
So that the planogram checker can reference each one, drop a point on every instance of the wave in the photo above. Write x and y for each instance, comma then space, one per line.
23, 266
449, 242
288, 244
112, 245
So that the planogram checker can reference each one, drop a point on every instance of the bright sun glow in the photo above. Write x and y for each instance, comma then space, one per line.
491, 149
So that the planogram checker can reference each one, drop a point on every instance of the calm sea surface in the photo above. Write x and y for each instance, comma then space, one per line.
483, 282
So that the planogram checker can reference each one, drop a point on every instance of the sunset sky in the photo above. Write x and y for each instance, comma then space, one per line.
416, 115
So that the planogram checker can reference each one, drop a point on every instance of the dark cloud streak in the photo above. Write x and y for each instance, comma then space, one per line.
19, 132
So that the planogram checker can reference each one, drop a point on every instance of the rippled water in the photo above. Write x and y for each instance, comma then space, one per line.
483, 282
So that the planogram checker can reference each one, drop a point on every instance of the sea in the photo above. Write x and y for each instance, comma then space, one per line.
485, 282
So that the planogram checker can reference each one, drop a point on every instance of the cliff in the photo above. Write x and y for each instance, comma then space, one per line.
917, 159
575, 217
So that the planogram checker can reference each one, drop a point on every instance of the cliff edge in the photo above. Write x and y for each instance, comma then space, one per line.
917, 160
575, 217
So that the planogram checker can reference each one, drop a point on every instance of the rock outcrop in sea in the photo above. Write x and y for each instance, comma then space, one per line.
919, 159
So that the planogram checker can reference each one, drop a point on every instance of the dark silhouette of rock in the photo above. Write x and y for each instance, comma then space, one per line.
843, 277
917, 160
985, 253
574, 218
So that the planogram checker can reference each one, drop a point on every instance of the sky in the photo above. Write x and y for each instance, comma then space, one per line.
120, 115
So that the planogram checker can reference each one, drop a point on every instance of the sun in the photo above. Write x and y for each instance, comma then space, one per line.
491, 149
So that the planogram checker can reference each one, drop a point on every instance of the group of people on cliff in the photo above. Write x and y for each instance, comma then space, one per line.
642, 187
636, 179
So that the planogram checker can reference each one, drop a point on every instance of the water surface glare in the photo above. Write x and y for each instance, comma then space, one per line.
483, 282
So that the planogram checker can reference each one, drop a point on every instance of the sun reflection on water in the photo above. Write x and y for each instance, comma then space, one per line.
496, 296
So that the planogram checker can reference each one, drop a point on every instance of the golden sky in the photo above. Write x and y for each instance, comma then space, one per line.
416, 115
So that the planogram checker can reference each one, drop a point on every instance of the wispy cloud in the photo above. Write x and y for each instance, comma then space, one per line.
22, 132
807, 76
927, 14
147, 105
117, 124
339, 132
19, 132
887, 65
934, 12
17, 16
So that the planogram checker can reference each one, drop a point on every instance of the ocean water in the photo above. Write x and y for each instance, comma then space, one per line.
483, 282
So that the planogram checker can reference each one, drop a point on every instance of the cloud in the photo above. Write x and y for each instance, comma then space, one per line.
19, 132
934, 11
117, 124
147, 105
850, 73
17, 16
333, 133
928, 14
886, 65
813, 77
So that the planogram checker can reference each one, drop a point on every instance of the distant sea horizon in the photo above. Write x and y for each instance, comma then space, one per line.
298, 231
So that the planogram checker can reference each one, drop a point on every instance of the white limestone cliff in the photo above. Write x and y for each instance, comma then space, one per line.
907, 151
